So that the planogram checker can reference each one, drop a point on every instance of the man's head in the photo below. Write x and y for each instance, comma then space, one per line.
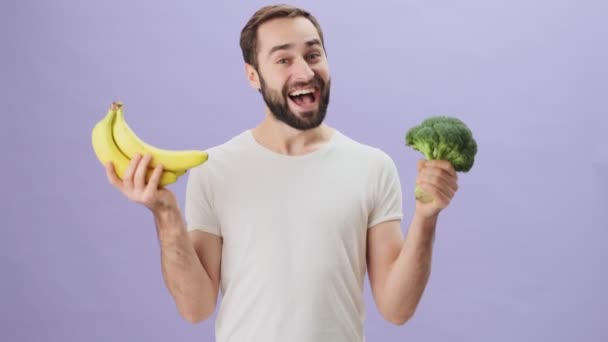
284, 53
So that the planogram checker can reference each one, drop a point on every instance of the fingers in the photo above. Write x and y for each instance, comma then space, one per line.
437, 186
138, 184
139, 181
420, 165
438, 177
437, 193
154, 181
112, 176
442, 164
444, 191
127, 178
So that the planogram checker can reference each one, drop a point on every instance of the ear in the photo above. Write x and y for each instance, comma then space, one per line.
252, 76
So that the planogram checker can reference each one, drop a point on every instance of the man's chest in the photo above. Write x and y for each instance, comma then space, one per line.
300, 205
278, 222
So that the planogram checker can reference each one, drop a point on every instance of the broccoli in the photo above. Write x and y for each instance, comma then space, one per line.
443, 138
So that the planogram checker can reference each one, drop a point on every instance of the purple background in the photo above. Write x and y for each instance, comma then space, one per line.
520, 254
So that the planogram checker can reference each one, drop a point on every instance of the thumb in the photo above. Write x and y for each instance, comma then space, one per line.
420, 165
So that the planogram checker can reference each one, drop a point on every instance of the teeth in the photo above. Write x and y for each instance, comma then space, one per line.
301, 92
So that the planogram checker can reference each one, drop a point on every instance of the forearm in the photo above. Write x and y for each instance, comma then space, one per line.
410, 272
184, 275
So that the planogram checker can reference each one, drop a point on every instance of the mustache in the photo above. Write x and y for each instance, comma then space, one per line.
315, 82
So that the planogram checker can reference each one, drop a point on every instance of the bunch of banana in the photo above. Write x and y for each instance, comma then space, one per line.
113, 140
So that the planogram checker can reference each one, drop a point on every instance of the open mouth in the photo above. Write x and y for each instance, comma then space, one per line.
305, 98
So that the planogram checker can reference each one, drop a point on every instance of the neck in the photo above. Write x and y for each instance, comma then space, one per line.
281, 138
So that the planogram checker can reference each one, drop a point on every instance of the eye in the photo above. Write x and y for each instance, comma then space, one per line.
283, 61
314, 55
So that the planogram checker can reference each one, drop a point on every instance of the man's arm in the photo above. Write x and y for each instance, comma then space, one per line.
399, 268
190, 264
190, 261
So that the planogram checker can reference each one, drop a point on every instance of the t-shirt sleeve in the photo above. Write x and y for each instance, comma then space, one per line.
200, 213
387, 200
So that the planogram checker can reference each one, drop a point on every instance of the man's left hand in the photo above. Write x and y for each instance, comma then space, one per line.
439, 180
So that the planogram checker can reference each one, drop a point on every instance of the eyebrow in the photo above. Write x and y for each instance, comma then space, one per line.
288, 46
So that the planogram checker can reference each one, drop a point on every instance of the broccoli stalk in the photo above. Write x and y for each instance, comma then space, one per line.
443, 138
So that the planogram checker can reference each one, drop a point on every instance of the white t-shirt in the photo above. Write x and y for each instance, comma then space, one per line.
294, 235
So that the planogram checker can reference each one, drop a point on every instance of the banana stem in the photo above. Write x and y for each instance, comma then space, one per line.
116, 105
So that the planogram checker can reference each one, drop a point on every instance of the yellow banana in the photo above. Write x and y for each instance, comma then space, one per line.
106, 150
130, 144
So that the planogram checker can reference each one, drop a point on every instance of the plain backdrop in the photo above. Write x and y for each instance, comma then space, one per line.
520, 253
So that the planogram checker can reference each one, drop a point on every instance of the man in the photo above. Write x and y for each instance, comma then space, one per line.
286, 217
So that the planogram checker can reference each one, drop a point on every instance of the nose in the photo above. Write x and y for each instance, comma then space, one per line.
302, 72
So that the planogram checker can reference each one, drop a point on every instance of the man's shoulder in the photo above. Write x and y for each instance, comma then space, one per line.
237, 141
222, 153
363, 150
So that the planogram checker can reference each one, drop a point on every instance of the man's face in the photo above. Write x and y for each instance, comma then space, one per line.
293, 72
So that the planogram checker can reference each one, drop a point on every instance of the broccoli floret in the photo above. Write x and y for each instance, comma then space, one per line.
443, 138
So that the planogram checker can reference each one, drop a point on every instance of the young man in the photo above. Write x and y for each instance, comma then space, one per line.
286, 217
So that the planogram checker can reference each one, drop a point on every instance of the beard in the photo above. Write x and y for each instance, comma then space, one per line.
279, 106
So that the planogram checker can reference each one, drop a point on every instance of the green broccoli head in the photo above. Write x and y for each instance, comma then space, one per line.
444, 138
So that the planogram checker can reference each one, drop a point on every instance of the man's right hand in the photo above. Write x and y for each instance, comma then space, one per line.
133, 184
190, 261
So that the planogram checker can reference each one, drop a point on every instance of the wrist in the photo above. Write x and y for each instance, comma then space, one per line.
168, 219
424, 212
426, 221
162, 210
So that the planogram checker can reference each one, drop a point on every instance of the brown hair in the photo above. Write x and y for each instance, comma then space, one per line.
249, 33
